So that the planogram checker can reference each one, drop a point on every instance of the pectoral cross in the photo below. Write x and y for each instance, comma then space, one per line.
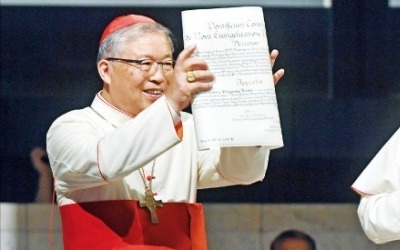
151, 205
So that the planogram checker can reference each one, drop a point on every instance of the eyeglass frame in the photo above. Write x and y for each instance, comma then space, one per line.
139, 62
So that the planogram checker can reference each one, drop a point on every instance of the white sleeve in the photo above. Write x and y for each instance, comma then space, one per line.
84, 154
379, 188
380, 216
233, 166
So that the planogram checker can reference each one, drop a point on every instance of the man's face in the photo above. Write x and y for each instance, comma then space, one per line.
131, 89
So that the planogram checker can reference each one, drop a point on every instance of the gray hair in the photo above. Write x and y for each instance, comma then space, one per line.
111, 46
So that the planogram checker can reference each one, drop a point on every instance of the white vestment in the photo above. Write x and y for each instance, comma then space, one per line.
96, 152
379, 187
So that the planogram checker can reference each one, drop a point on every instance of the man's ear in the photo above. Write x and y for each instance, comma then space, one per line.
104, 69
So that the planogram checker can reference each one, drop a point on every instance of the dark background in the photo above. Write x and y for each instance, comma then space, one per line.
338, 101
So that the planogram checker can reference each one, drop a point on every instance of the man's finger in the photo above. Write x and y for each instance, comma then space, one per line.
278, 75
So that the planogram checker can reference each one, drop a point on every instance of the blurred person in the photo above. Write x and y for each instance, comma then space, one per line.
293, 240
41, 163
379, 189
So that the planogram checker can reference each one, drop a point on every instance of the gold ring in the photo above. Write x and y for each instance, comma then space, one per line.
190, 76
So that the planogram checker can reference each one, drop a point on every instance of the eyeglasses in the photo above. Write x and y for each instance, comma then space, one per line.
147, 65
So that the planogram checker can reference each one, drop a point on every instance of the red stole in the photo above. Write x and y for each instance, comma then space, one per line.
122, 224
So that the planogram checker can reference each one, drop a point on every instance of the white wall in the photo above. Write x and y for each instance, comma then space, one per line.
229, 226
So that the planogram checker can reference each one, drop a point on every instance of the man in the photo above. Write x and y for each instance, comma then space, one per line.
379, 188
293, 240
127, 168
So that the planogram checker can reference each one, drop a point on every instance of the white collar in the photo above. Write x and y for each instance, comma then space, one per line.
109, 112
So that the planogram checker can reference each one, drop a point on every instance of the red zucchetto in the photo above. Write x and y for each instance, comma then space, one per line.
123, 21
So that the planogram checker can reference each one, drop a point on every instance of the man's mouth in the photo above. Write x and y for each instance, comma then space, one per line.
154, 92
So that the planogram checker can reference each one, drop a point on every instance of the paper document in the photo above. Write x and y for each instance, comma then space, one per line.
241, 109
